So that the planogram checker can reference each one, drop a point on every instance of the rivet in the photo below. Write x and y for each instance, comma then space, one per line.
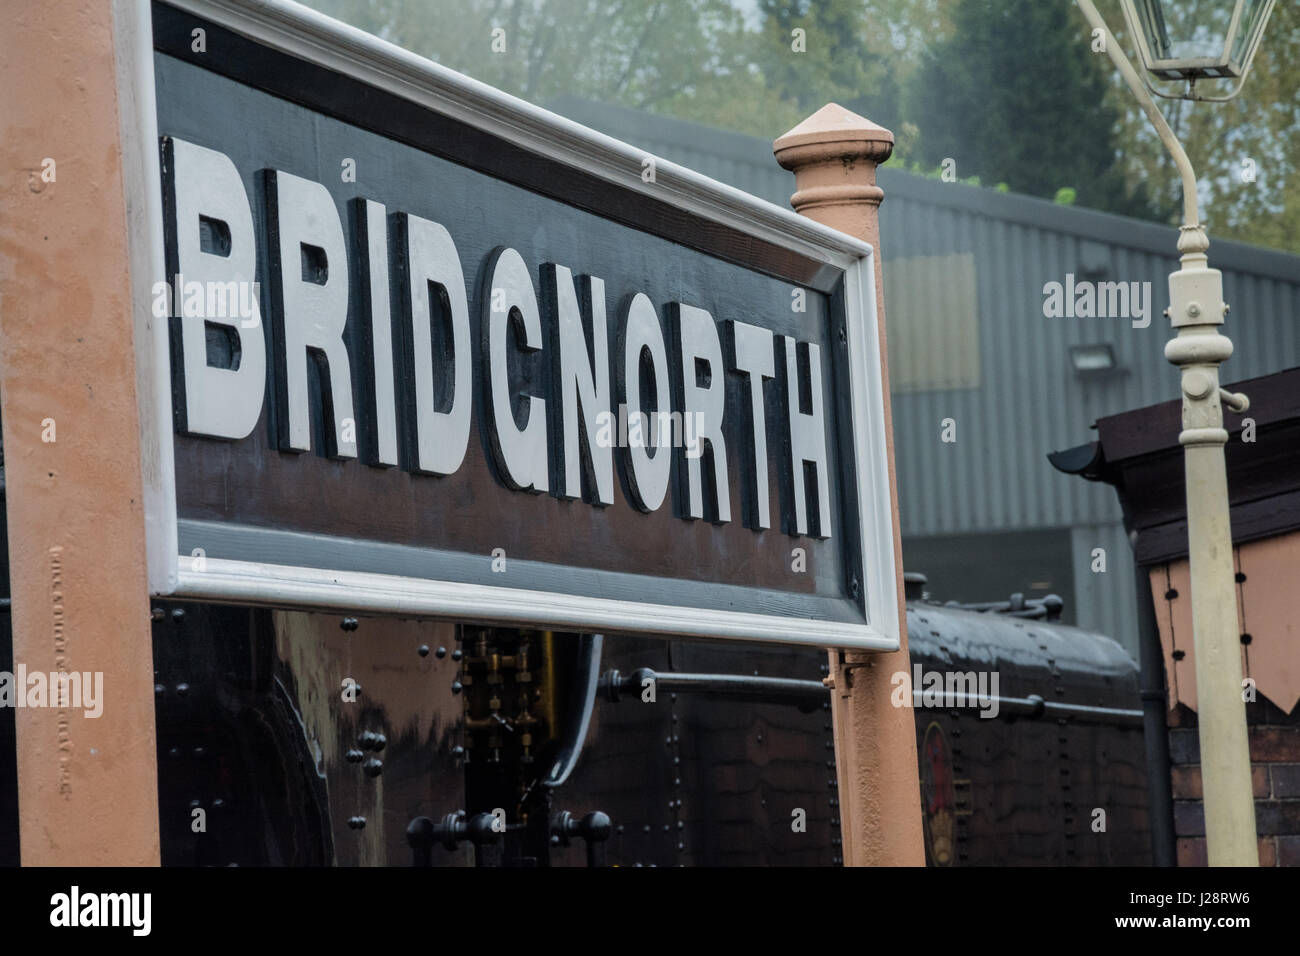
373, 767
457, 654
423, 650
357, 823
354, 756
183, 689
440, 653
157, 614
159, 690
349, 624
200, 751
458, 751
178, 616
457, 687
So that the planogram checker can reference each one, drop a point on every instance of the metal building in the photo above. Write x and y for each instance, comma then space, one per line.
984, 514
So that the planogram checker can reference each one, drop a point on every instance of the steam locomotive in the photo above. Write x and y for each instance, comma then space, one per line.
296, 738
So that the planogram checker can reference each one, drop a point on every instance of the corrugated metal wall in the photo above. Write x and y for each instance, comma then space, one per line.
964, 275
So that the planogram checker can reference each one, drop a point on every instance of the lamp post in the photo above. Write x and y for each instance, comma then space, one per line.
1175, 47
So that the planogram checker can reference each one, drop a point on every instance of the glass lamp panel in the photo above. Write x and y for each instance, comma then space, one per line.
1186, 29
1252, 21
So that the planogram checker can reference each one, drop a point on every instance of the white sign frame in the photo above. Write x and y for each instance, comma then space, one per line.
304, 33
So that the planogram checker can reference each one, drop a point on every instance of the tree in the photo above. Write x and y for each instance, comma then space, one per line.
1015, 94
1246, 153
686, 58
1012, 90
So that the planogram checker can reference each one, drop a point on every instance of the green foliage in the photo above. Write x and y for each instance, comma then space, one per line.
1015, 94
687, 58
1262, 125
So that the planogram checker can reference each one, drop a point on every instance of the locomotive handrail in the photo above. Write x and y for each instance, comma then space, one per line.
1035, 706
804, 693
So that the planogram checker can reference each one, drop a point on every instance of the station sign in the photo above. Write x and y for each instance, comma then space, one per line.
420, 348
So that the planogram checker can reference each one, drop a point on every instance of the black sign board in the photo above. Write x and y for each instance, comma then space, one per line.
421, 348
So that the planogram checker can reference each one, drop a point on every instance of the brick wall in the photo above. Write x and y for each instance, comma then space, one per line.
1275, 773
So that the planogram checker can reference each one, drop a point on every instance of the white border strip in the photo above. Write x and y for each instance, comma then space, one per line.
304, 33
871, 449
142, 188
357, 591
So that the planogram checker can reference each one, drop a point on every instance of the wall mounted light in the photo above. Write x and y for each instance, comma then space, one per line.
1093, 360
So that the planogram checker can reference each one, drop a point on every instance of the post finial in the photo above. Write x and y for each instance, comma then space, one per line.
833, 155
